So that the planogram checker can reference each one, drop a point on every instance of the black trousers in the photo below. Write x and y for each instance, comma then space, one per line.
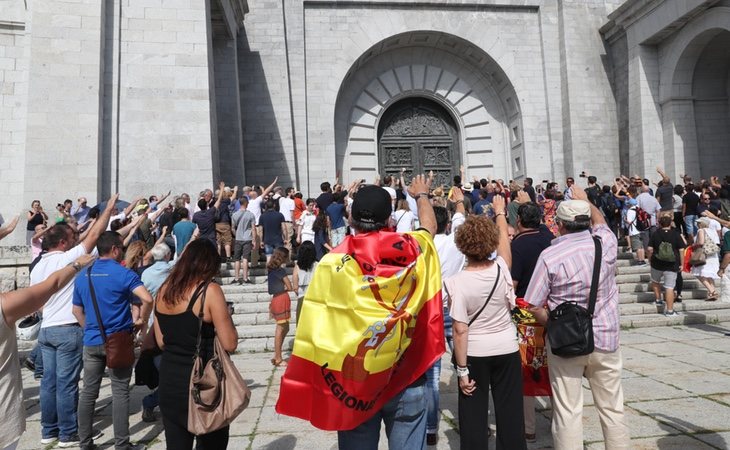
504, 374
179, 438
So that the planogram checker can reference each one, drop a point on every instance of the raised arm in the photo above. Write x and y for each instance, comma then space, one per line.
500, 211
419, 190
128, 210
19, 303
127, 231
100, 225
221, 186
457, 196
10, 227
577, 193
269, 187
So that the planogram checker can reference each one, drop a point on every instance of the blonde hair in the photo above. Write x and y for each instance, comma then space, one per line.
403, 204
134, 254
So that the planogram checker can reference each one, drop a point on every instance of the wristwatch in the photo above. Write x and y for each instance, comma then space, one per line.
462, 371
77, 267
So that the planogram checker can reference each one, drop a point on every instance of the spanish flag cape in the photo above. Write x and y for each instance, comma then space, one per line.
371, 324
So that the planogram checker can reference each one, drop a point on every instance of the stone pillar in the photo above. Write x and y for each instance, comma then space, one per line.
228, 110
645, 135
63, 125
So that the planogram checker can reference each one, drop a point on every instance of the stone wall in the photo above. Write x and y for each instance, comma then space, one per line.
13, 97
14, 262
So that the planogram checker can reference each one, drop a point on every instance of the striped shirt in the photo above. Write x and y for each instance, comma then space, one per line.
563, 273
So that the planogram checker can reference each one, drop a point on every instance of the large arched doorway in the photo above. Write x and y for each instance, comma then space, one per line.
419, 135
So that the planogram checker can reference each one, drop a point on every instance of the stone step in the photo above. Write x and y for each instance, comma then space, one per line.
685, 318
633, 309
263, 330
646, 286
644, 297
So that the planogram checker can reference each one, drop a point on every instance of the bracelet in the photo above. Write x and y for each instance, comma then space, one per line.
500, 214
422, 194
462, 371
458, 201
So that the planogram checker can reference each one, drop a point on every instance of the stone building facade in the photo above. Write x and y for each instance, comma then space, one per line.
139, 96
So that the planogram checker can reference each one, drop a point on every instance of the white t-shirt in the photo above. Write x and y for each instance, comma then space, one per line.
631, 221
492, 333
306, 220
716, 228
286, 206
58, 310
452, 260
255, 207
403, 221
121, 216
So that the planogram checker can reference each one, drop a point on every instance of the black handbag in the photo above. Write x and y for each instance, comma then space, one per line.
471, 321
570, 326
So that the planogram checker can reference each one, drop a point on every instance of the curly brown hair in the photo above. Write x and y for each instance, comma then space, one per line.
477, 238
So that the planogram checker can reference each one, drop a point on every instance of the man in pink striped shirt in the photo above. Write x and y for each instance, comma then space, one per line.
563, 273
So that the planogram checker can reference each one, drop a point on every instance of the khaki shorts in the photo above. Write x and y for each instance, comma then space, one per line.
223, 233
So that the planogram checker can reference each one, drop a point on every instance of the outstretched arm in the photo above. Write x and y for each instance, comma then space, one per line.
419, 190
19, 303
578, 193
503, 248
10, 227
269, 187
100, 225
128, 210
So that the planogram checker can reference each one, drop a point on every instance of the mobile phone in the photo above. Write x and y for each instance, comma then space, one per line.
582, 174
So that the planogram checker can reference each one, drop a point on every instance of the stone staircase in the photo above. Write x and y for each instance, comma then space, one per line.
256, 330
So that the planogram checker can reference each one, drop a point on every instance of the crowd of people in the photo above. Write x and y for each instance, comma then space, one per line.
143, 266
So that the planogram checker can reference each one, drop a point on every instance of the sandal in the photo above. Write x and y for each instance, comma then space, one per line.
279, 363
712, 296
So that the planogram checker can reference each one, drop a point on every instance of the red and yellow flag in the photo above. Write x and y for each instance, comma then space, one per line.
371, 324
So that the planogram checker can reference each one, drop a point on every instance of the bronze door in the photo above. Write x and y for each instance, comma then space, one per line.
419, 135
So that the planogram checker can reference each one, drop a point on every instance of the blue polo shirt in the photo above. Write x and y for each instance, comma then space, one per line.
113, 285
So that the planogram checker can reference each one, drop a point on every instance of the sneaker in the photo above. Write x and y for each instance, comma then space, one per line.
248, 281
49, 440
658, 302
641, 263
678, 299
96, 434
671, 314
148, 415
28, 364
138, 447
235, 281
530, 438
70, 442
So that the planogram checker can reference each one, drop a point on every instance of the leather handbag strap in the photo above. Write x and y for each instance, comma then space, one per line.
200, 290
596, 275
96, 305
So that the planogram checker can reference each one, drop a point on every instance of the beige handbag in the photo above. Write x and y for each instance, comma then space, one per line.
218, 393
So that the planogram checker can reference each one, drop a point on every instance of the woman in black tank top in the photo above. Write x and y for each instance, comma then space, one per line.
176, 330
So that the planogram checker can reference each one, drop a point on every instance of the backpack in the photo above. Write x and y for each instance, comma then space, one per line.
665, 252
642, 220
607, 206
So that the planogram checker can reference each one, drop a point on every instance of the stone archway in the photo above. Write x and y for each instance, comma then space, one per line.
694, 93
420, 136
455, 74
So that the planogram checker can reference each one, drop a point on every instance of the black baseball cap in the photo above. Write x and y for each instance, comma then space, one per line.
371, 205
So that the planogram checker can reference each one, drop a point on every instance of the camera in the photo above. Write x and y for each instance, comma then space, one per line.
583, 174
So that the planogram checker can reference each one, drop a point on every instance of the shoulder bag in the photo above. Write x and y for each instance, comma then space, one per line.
471, 321
119, 346
570, 326
218, 393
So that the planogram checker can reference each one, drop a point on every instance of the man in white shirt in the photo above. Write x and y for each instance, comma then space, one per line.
61, 337
254, 205
286, 208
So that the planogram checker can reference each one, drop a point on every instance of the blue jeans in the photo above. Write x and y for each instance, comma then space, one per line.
448, 330
690, 225
433, 376
405, 424
62, 348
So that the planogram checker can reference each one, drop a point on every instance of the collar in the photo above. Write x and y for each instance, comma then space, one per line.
572, 237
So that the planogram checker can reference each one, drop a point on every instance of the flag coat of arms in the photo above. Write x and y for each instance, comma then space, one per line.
371, 324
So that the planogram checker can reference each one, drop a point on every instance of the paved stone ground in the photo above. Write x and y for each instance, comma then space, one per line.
676, 384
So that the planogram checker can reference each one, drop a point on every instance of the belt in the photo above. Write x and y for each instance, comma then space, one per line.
69, 325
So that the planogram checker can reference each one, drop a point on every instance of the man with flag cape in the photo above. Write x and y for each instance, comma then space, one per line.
371, 325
